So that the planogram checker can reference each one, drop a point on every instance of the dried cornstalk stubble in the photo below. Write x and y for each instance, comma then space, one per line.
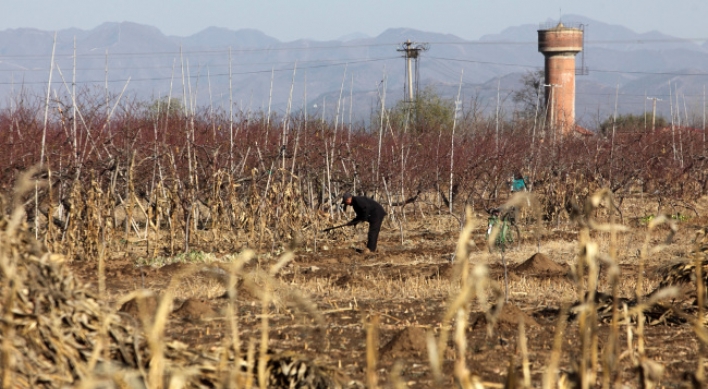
56, 333
216, 205
475, 284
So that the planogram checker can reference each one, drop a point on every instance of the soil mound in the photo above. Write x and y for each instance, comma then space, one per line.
539, 264
194, 310
407, 343
132, 307
510, 316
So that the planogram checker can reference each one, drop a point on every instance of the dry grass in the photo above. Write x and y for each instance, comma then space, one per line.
97, 348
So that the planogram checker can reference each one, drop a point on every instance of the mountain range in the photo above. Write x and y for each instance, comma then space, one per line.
259, 73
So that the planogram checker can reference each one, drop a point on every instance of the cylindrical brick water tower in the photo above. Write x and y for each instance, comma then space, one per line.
559, 46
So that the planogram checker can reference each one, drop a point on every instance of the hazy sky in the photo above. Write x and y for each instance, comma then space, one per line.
289, 20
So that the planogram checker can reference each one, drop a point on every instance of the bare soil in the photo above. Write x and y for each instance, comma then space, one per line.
407, 285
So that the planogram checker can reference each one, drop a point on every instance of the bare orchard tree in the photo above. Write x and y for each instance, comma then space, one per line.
529, 97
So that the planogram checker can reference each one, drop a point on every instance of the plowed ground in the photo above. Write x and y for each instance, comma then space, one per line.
408, 285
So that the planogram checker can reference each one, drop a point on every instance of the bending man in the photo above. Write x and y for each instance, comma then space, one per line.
367, 210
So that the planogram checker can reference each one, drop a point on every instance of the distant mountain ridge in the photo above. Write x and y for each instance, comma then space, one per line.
153, 65
223, 37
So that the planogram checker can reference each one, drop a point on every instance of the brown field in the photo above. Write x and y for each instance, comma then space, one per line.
151, 247
407, 288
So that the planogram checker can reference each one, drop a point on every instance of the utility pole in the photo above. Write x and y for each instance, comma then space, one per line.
497, 114
653, 111
550, 103
614, 124
411, 51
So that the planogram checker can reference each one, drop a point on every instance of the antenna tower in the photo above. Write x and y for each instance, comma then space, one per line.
411, 51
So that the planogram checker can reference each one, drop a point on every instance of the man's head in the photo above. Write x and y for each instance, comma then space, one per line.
347, 198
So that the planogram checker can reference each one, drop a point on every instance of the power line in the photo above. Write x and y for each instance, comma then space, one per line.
336, 62
486, 62
591, 42
163, 78
99, 54
591, 69
652, 73
441, 67
339, 62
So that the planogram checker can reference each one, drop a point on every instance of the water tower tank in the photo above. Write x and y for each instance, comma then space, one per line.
559, 45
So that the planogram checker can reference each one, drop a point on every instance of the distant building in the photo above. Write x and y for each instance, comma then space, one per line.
559, 45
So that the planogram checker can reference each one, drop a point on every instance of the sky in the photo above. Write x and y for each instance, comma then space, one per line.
289, 20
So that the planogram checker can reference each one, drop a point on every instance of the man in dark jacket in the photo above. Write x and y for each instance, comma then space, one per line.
367, 210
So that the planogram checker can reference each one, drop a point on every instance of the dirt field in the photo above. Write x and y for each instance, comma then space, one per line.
407, 287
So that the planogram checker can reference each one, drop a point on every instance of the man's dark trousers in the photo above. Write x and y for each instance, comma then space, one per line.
374, 228
368, 210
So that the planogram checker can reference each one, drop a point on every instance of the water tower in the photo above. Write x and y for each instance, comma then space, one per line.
559, 45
